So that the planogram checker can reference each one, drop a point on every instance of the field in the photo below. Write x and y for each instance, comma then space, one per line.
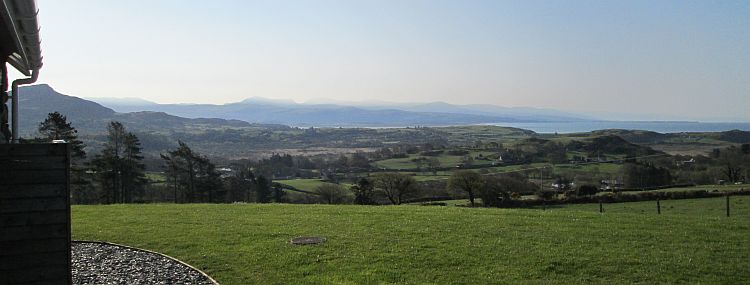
446, 160
248, 243
709, 207
305, 184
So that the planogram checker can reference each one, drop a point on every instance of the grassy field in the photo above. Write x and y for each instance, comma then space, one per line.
709, 207
446, 160
248, 243
307, 184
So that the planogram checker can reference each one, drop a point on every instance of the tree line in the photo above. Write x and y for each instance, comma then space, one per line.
117, 174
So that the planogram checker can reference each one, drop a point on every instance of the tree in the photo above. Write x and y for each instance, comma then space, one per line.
419, 162
119, 166
395, 186
240, 186
731, 160
332, 193
587, 190
262, 190
363, 192
645, 175
193, 173
278, 192
133, 170
497, 191
57, 127
433, 164
466, 181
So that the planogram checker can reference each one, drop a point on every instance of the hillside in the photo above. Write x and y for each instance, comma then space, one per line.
88, 117
688, 143
235, 138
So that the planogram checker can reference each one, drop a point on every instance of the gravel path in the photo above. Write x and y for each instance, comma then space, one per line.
96, 263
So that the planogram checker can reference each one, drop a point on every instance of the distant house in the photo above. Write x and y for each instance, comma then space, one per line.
226, 172
610, 184
563, 185
690, 162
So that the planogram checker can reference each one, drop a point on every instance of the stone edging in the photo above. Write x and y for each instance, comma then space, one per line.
152, 252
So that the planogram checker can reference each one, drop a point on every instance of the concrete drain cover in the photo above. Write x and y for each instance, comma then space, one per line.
308, 240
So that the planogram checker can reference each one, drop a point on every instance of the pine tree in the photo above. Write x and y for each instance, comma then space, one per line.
133, 170
57, 127
262, 190
193, 173
119, 166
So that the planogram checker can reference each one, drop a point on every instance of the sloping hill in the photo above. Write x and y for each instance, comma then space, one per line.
36, 101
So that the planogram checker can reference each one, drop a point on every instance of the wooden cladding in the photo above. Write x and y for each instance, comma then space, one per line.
35, 214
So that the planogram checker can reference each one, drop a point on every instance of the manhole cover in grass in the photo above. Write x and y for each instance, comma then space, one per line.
308, 240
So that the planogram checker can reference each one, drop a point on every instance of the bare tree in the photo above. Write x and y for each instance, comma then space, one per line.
467, 181
434, 164
332, 193
395, 186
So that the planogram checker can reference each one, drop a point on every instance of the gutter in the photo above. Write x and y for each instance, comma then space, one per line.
14, 102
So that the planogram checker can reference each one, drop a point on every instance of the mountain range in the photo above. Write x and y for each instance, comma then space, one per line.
38, 100
89, 117
345, 114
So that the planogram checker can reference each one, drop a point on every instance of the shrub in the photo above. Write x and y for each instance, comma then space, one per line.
458, 152
333, 194
587, 189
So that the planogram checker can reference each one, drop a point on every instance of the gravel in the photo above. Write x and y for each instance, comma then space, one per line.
97, 263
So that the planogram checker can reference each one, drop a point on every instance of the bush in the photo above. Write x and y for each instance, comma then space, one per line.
432, 153
458, 152
333, 194
587, 189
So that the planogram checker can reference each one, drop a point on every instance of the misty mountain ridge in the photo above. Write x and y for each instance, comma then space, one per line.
370, 114
36, 101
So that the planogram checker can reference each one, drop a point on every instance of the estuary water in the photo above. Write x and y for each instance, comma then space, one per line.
655, 126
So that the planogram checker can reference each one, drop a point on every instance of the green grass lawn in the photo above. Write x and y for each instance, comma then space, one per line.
445, 159
248, 243
307, 184
156, 177
709, 188
708, 207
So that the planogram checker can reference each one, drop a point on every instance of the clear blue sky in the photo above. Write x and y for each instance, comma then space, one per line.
662, 59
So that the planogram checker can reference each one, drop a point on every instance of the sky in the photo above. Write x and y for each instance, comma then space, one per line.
687, 60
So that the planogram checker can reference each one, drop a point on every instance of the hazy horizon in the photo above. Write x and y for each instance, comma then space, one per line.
666, 60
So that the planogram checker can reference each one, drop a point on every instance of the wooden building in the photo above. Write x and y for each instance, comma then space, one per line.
34, 178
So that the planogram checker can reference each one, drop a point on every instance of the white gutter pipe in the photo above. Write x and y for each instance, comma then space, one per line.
14, 102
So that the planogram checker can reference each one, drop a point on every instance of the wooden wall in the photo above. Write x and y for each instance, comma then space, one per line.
35, 214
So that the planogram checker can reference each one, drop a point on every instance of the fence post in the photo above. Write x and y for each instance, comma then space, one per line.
658, 207
727, 204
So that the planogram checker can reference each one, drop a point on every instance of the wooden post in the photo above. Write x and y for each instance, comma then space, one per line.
601, 208
727, 204
658, 207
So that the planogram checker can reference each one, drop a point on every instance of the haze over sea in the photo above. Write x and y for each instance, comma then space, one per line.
655, 126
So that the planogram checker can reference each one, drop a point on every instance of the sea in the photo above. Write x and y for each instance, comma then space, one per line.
654, 126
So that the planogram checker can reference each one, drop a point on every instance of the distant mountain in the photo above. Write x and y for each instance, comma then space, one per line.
263, 110
519, 113
130, 101
36, 101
